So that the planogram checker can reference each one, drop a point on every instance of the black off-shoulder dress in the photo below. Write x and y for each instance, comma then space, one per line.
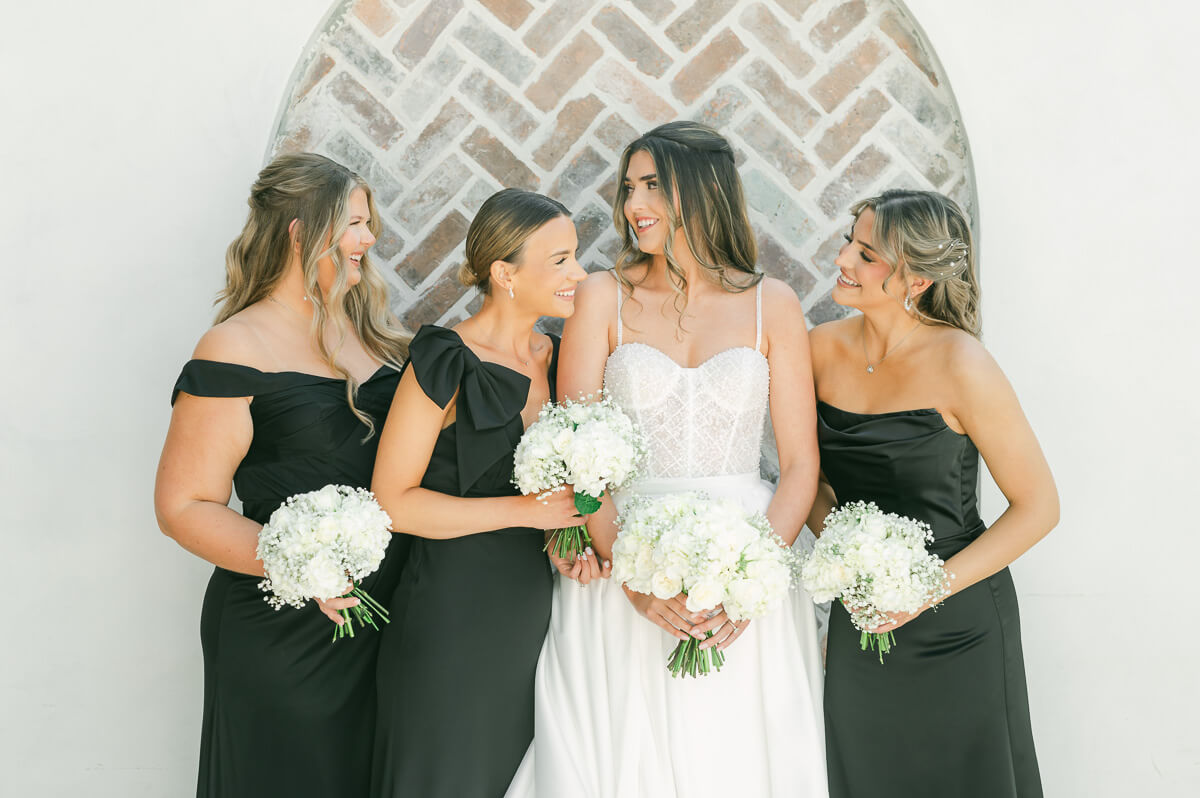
285, 711
456, 667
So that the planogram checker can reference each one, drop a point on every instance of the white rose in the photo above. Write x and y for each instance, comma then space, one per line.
705, 595
664, 586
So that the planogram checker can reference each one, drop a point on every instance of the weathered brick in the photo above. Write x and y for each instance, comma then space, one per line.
376, 15
297, 137
902, 32
724, 104
374, 67
692, 25
581, 172
615, 133
918, 99
791, 107
342, 148
435, 247
419, 37
570, 124
479, 191
774, 148
827, 253
364, 110
795, 7
317, 68
498, 160
495, 51
656, 10
564, 71
842, 137
774, 35
853, 183
825, 309
498, 105
913, 145
846, 75
837, 23
389, 244
590, 223
435, 302
608, 189
609, 248
429, 85
555, 23
709, 64
432, 193
451, 120
778, 262
632, 41
786, 217
511, 12
620, 84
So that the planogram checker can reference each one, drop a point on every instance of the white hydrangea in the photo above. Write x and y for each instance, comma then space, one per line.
876, 563
710, 549
317, 543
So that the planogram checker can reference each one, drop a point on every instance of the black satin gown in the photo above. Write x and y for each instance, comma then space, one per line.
456, 666
947, 713
285, 711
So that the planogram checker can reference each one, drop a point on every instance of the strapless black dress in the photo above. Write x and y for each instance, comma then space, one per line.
457, 663
285, 711
947, 713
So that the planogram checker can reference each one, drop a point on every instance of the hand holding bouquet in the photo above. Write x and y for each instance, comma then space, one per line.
709, 549
591, 446
318, 542
877, 564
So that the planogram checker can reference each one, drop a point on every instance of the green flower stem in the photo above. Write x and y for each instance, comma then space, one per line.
875, 641
688, 659
568, 542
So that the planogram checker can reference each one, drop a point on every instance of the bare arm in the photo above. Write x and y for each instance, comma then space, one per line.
991, 415
586, 343
793, 410
823, 504
405, 448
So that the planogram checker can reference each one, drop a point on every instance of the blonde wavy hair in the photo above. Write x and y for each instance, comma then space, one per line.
695, 163
315, 191
926, 234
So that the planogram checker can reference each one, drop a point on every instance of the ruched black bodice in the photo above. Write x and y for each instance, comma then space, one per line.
456, 668
277, 693
947, 713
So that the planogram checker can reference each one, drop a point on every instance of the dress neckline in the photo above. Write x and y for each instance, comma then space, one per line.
922, 411
677, 364
382, 367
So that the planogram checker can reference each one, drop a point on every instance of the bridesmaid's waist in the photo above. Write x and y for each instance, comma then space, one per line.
947, 545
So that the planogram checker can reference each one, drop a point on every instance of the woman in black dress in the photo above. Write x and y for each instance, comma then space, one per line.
456, 666
283, 396
907, 401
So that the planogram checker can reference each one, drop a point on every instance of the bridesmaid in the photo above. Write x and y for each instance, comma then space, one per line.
283, 396
908, 399
468, 618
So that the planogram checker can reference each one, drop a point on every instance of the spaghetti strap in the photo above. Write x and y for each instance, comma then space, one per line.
620, 299
758, 317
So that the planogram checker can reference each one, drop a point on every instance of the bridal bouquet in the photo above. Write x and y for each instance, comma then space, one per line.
316, 542
591, 446
710, 549
877, 564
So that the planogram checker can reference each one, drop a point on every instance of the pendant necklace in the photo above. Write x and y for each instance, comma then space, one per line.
867, 357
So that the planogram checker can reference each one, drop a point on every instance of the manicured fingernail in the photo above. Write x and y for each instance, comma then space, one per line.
588, 550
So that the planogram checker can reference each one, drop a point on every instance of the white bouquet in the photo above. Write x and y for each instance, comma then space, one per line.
713, 551
316, 543
877, 564
591, 446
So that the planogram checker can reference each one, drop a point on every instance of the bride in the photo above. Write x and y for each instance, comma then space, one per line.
696, 345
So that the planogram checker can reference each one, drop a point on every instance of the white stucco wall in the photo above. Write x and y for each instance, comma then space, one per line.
131, 133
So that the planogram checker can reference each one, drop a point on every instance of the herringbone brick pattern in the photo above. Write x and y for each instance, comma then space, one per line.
441, 102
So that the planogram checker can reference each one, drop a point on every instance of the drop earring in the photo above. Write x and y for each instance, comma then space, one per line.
510, 293
908, 303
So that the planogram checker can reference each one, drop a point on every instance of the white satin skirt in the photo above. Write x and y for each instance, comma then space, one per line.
611, 721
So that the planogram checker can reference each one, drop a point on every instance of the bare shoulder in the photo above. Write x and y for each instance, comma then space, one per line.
969, 365
595, 288
833, 334
779, 296
235, 340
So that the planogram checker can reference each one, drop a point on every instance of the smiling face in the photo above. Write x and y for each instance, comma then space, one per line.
646, 207
547, 270
863, 271
353, 244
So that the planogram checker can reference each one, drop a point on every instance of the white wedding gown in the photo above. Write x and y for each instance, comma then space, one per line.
610, 720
